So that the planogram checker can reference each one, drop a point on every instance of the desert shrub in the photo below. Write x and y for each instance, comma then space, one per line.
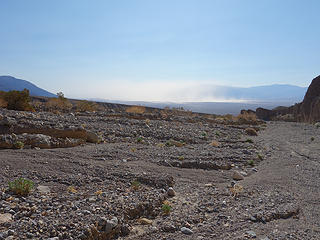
21, 186
60, 104
84, 106
136, 109
16, 100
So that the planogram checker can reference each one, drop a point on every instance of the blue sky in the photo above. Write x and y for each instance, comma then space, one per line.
148, 49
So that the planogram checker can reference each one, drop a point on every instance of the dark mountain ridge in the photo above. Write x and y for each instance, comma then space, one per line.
8, 83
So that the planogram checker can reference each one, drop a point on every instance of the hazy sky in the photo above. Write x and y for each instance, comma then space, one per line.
146, 49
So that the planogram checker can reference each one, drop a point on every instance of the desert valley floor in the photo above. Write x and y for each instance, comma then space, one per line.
153, 178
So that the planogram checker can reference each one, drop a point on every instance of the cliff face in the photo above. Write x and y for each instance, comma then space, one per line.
306, 111
310, 107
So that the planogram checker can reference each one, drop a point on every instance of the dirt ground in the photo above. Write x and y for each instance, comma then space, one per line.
129, 175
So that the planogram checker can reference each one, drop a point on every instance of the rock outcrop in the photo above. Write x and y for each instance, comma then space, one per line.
306, 111
30, 130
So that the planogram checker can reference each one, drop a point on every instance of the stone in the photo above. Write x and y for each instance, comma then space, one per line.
5, 217
111, 224
186, 231
251, 132
252, 234
93, 137
237, 176
145, 221
43, 189
244, 173
171, 192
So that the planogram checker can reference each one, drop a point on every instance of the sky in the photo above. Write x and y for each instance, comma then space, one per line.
150, 50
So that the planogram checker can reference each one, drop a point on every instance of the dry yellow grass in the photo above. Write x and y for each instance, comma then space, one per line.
57, 104
236, 190
215, 143
136, 109
247, 117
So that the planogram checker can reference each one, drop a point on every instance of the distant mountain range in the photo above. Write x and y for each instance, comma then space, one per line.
276, 92
8, 83
231, 99
268, 96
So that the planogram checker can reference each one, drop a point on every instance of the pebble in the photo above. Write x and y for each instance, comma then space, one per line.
186, 231
171, 192
111, 224
43, 189
252, 234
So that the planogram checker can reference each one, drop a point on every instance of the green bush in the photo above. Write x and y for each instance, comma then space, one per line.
21, 186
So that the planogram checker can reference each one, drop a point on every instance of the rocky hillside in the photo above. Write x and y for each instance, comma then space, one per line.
306, 111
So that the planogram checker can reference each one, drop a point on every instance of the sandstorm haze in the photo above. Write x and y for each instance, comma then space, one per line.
177, 51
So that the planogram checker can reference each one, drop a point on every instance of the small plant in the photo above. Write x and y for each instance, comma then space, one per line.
249, 140
147, 121
181, 158
135, 185
139, 140
18, 145
166, 208
204, 134
251, 162
217, 133
312, 139
260, 157
133, 149
21, 186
